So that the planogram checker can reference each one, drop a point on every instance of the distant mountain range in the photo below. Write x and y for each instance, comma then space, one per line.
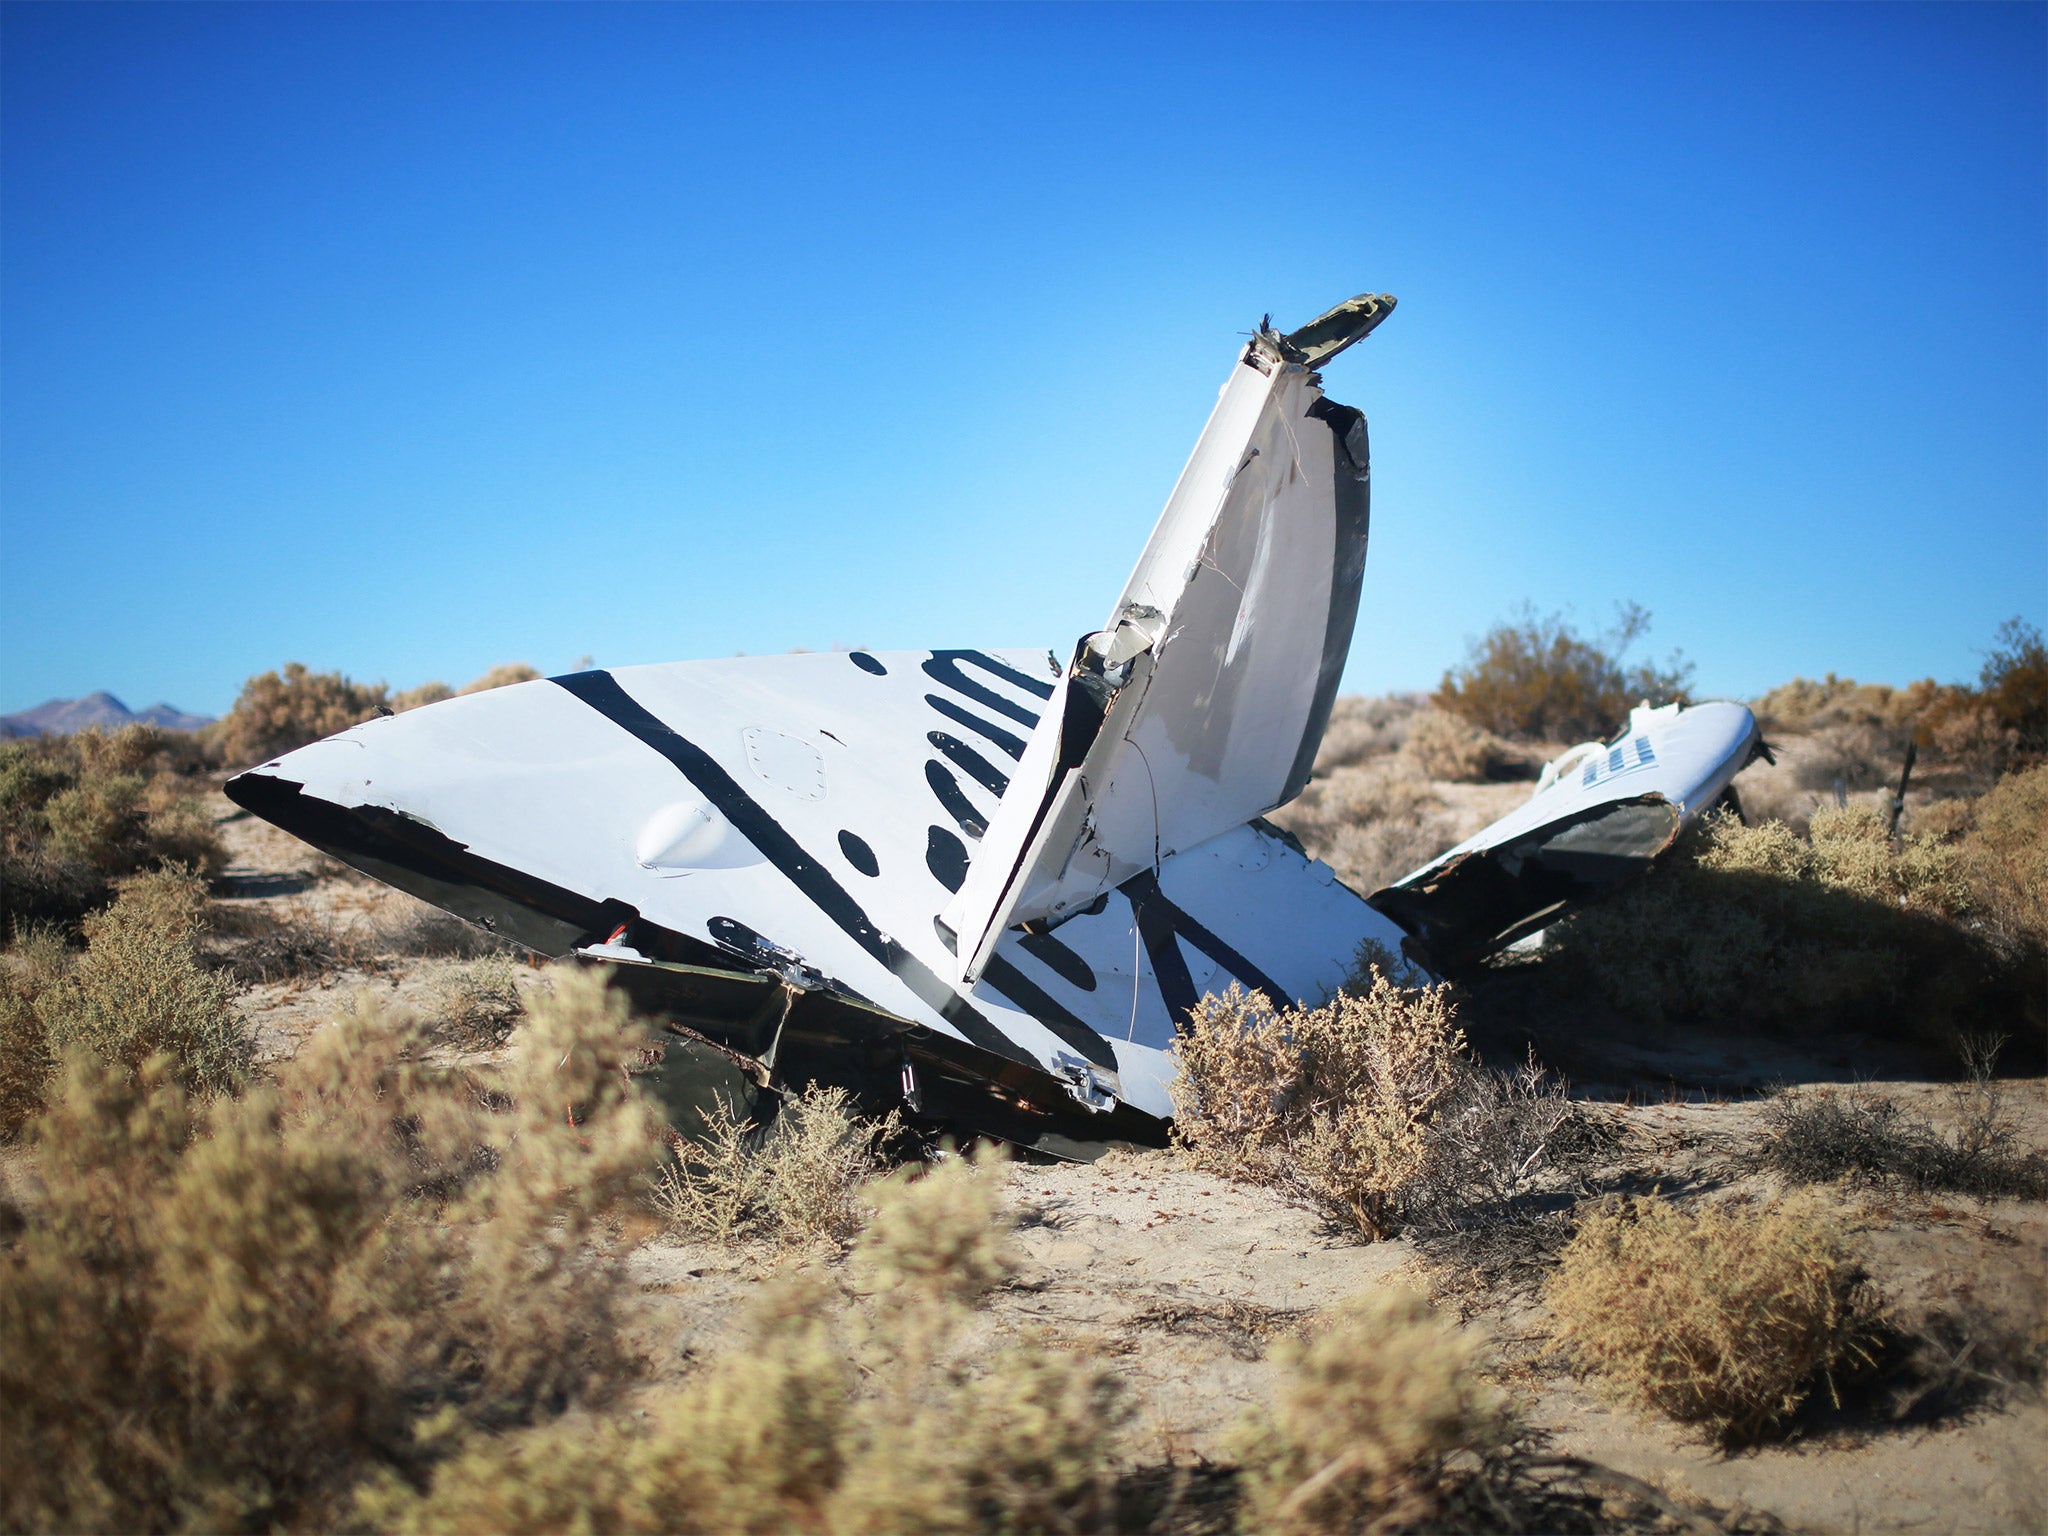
62, 716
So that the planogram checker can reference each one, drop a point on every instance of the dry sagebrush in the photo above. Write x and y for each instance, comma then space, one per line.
1727, 1317
785, 1433
1372, 825
1367, 1418
797, 1181
78, 812
1330, 1105
224, 1315
1536, 678
139, 992
1760, 926
1441, 745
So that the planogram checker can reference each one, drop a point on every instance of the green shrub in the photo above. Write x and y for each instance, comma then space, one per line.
1367, 1416
1721, 1316
225, 1316
278, 712
1538, 679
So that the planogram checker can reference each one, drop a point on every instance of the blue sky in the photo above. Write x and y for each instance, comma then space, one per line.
409, 339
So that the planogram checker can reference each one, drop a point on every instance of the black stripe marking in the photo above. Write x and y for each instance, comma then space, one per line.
601, 691
868, 663
1034, 1000
944, 667
1057, 958
1003, 739
954, 798
946, 857
970, 762
1161, 925
859, 854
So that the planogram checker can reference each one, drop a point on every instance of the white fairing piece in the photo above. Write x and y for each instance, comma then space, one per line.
1686, 757
1600, 815
1219, 662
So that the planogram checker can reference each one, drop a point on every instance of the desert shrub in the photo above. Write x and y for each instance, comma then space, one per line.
25, 1062
2014, 683
1722, 1316
1371, 825
277, 712
1858, 1133
2004, 854
256, 943
222, 1317
414, 698
412, 929
1365, 728
1538, 679
1853, 754
140, 991
1759, 925
1331, 1105
1492, 1141
504, 675
784, 1434
798, 1181
1447, 746
1366, 1418
478, 1004
77, 812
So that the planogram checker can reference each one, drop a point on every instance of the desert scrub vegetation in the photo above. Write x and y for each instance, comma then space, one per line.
835, 1415
1726, 1316
477, 1004
228, 1314
1367, 1419
797, 1180
501, 676
1361, 729
1372, 825
78, 812
1536, 678
1861, 1134
1367, 1110
1761, 926
1441, 745
139, 993
278, 711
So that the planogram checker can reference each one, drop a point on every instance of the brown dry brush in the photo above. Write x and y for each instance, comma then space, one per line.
867, 1417
797, 1181
1726, 1316
79, 812
1368, 1110
224, 1315
1846, 927
1536, 678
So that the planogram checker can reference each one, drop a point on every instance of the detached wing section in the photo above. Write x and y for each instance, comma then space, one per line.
1602, 813
1202, 701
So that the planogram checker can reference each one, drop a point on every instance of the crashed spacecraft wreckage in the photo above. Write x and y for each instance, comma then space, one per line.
986, 886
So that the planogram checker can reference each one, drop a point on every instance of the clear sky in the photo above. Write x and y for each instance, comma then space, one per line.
409, 339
